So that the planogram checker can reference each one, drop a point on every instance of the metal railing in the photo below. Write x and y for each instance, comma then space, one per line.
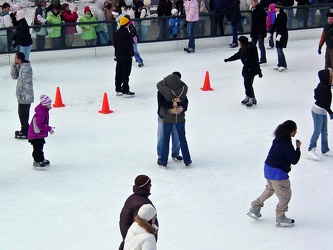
299, 17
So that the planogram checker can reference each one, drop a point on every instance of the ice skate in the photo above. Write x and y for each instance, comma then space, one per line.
284, 221
254, 212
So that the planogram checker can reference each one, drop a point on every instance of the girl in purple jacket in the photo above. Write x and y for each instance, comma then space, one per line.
38, 130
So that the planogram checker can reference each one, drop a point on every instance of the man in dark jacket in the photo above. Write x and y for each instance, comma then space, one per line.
258, 28
248, 54
327, 37
123, 45
141, 191
221, 9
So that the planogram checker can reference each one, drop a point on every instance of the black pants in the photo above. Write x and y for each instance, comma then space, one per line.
40, 42
219, 21
38, 145
123, 71
23, 112
248, 83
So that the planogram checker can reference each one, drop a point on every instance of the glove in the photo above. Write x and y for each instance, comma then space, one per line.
319, 50
331, 116
269, 36
52, 130
260, 74
278, 38
226, 60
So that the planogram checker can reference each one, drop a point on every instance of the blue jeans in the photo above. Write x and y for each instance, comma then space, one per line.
175, 139
167, 128
190, 32
281, 59
320, 127
136, 53
290, 14
261, 48
144, 32
26, 51
235, 29
102, 38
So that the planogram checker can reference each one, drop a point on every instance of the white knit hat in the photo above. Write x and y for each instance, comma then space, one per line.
146, 2
147, 212
45, 100
173, 11
20, 15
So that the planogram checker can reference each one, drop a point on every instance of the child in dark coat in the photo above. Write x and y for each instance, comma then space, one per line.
38, 130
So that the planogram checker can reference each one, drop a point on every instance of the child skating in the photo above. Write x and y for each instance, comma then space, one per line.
38, 130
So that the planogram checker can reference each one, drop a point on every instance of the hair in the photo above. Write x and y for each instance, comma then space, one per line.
177, 74
5, 5
20, 56
285, 129
128, 17
64, 6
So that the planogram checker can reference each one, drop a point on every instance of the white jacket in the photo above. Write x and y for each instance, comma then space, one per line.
138, 238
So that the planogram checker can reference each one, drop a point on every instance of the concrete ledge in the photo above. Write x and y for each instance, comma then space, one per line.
155, 47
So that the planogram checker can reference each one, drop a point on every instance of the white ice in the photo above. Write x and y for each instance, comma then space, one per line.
75, 203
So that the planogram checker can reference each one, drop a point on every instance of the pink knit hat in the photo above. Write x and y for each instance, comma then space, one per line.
45, 100
15, 8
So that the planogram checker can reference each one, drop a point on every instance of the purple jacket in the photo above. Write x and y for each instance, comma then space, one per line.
39, 126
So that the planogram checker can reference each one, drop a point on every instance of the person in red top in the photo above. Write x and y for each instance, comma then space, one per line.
69, 16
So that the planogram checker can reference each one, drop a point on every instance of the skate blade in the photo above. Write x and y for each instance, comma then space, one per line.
285, 224
252, 215
39, 168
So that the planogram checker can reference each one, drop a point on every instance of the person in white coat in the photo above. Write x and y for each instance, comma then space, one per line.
141, 234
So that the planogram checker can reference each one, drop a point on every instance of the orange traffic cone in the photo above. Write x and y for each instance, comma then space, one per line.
58, 101
105, 106
206, 86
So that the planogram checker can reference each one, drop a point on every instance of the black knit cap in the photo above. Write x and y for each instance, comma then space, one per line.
243, 39
330, 13
142, 181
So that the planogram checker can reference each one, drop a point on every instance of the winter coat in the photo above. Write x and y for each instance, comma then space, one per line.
191, 10
123, 43
131, 208
323, 93
302, 13
249, 58
172, 87
280, 27
88, 30
282, 154
175, 23
258, 22
54, 31
39, 126
24, 87
164, 8
221, 5
168, 104
271, 16
40, 18
5, 22
70, 17
145, 12
133, 32
100, 16
22, 36
327, 36
140, 236
234, 13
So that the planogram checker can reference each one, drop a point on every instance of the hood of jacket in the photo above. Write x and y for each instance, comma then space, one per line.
325, 76
100, 4
272, 5
3, 13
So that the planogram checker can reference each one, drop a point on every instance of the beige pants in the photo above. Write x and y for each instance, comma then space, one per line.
282, 191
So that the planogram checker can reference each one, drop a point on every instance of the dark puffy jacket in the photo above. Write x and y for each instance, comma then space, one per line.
323, 94
123, 44
282, 154
22, 36
280, 27
258, 22
234, 13
131, 208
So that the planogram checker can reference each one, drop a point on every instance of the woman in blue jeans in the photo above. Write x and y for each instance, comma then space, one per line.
173, 90
192, 15
320, 108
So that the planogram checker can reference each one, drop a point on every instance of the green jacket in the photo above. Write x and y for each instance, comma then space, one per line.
88, 30
54, 31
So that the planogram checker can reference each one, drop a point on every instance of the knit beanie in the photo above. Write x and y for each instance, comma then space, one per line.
15, 8
147, 212
173, 11
45, 100
86, 9
146, 2
20, 15
142, 181
123, 21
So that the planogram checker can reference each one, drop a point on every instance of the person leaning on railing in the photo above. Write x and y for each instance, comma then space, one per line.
88, 30
53, 17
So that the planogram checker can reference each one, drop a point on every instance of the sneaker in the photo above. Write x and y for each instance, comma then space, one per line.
276, 68
119, 93
312, 155
160, 163
129, 94
141, 65
233, 45
20, 135
186, 49
282, 69
284, 221
328, 153
190, 50
254, 212
188, 164
39, 165
177, 157
246, 100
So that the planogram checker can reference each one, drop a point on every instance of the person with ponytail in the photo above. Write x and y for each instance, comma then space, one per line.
277, 166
